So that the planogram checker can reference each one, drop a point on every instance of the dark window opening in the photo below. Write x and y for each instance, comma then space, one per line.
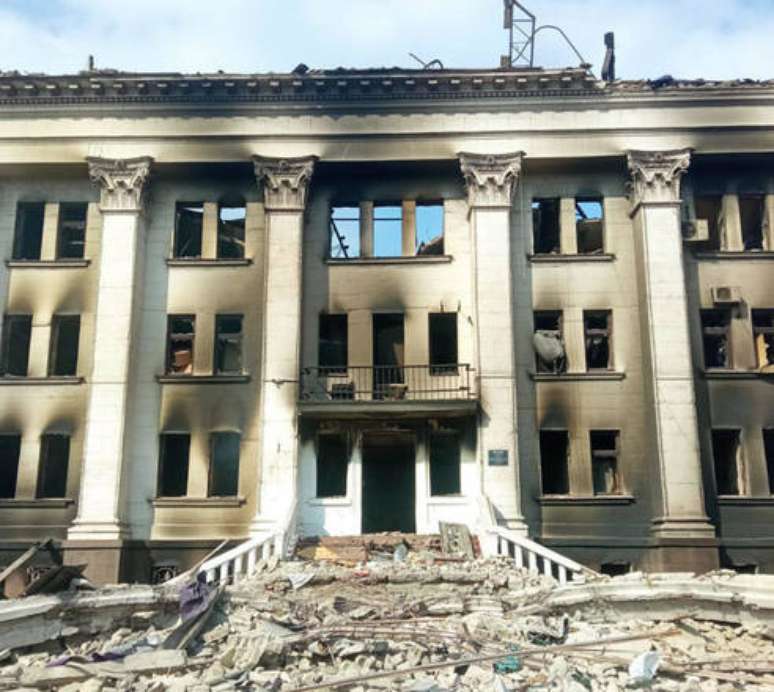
17, 330
71, 233
752, 212
28, 237
726, 451
332, 346
180, 344
231, 231
10, 447
65, 336
615, 569
445, 468
589, 226
189, 220
597, 327
228, 344
389, 356
546, 226
548, 342
345, 231
332, 465
715, 327
605, 449
768, 451
52, 468
224, 464
443, 343
173, 464
555, 462
388, 230
429, 228
709, 208
763, 334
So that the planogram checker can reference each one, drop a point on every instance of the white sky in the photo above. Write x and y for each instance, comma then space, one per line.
715, 39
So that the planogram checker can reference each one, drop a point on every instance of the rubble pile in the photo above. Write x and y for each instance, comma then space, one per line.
412, 618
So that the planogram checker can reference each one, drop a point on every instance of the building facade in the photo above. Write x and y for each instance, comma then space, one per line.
362, 301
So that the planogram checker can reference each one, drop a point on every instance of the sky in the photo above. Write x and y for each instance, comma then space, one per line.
713, 39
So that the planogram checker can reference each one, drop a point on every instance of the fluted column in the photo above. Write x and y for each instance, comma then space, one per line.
491, 182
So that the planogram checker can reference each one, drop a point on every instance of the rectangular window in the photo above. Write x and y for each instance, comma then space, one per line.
345, 231
224, 464
443, 343
589, 226
752, 211
332, 347
10, 447
598, 327
768, 450
17, 330
763, 334
189, 219
445, 469
546, 226
709, 208
28, 236
52, 468
228, 344
180, 344
726, 452
555, 462
231, 231
429, 228
174, 450
549, 342
71, 233
65, 335
715, 327
388, 230
332, 465
604, 462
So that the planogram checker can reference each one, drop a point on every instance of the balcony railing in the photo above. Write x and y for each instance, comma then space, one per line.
387, 383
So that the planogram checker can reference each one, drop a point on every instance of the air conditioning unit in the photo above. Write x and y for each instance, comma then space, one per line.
696, 231
726, 295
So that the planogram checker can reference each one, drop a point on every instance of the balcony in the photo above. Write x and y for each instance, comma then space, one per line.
378, 390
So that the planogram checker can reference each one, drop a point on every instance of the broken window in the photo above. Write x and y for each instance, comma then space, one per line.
726, 452
763, 334
332, 346
71, 233
589, 226
332, 465
28, 237
65, 334
174, 449
17, 330
443, 343
429, 228
388, 230
445, 470
180, 344
345, 231
597, 327
604, 462
546, 226
555, 462
231, 231
548, 342
715, 327
752, 212
52, 468
709, 208
224, 464
228, 344
189, 220
10, 447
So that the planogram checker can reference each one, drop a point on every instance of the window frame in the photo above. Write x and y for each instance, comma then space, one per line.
607, 453
537, 211
592, 332
222, 338
420, 246
716, 331
16, 253
179, 208
172, 336
60, 228
590, 199
221, 224
333, 230
540, 366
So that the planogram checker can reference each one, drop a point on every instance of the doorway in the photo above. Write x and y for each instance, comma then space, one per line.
388, 360
388, 484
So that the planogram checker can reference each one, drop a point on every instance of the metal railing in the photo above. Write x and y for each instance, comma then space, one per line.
387, 383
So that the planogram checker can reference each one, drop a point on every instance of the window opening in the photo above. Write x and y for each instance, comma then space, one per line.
10, 447
17, 331
388, 230
715, 326
768, 451
726, 452
189, 220
71, 233
333, 344
228, 344
709, 208
763, 334
180, 344
752, 213
65, 336
589, 225
52, 468
345, 231
548, 342
597, 326
224, 464
604, 462
28, 237
430, 228
443, 343
332, 465
555, 461
546, 226
231, 231
173, 464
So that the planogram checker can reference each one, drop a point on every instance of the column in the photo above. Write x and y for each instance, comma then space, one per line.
683, 535
285, 185
491, 182
99, 525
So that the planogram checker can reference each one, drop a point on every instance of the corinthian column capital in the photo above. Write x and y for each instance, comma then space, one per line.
656, 174
491, 178
285, 181
121, 181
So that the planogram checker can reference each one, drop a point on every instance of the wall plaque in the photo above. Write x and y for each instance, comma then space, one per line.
498, 457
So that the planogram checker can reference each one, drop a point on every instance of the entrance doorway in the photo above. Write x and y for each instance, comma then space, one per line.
388, 356
388, 484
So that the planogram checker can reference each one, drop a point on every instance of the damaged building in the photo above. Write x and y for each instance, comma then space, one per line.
327, 303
